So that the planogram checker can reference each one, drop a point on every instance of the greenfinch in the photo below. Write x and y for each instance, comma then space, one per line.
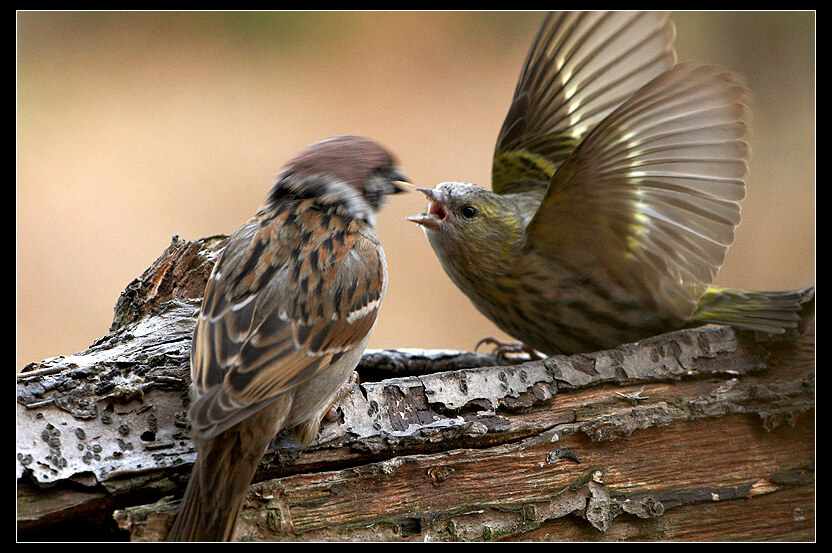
615, 193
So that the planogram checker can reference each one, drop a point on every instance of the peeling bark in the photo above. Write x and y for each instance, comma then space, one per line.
701, 434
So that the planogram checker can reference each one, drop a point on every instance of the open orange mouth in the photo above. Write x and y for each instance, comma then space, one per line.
437, 210
435, 215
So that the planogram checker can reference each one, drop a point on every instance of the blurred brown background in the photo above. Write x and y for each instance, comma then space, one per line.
133, 127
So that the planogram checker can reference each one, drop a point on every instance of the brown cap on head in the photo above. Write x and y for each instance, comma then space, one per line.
348, 158
341, 170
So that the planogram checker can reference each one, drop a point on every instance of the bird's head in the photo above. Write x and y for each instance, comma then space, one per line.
351, 173
468, 225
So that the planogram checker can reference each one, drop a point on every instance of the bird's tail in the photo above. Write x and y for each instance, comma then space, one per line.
210, 506
769, 312
188, 521
220, 479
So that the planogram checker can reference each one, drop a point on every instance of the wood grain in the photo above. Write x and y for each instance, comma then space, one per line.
704, 434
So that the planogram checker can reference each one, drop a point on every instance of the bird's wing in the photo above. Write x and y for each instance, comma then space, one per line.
284, 302
581, 66
651, 195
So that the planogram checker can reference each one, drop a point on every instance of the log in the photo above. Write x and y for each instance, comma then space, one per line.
704, 434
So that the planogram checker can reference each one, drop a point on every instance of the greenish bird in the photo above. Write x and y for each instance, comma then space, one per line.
616, 184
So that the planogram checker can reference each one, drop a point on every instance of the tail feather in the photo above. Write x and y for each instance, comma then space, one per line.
211, 504
769, 312
188, 523
223, 470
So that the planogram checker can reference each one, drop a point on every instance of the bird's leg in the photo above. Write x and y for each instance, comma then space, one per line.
503, 347
331, 413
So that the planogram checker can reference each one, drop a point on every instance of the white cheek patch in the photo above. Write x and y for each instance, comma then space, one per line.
346, 199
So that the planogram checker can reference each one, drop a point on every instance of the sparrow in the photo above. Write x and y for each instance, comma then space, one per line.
286, 315
615, 192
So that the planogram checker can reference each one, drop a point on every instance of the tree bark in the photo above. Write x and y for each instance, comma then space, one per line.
701, 434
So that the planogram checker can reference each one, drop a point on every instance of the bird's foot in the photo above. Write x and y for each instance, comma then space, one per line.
332, 412
503, 347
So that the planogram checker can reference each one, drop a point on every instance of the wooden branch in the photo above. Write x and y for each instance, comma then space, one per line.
702, 434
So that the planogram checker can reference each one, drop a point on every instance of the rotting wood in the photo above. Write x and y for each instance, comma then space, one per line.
618, 439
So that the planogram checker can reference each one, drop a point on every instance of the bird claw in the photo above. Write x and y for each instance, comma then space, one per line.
332, 412
503, 347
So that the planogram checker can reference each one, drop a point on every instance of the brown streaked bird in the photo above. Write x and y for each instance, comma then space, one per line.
287, 313
616, 183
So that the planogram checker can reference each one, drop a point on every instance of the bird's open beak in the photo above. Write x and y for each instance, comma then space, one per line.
435, 214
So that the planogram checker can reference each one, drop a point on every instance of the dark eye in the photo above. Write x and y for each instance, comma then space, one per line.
468, 211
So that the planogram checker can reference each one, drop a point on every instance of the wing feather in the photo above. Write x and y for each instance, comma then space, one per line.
269, 325
651, 195
581, 66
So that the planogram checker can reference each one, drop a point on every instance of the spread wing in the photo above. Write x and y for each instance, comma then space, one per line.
581, 66
285, 300
651, 195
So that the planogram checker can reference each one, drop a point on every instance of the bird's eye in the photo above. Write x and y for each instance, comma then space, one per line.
468, 211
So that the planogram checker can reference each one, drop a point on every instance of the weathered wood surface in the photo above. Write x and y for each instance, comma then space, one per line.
702, 434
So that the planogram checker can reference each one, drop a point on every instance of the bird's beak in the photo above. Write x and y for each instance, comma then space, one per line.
431, 195
435, 214
397, 178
